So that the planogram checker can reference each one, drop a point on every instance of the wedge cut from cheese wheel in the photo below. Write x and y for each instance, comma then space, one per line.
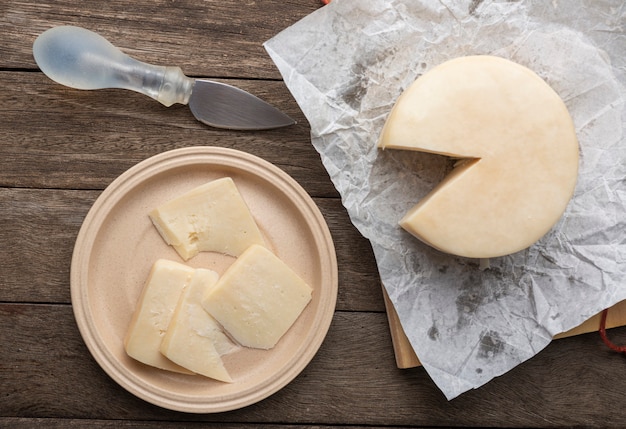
194, 340
518, 149
212, 217
153, 314
258, 298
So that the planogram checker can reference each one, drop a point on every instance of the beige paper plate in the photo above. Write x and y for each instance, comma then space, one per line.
118, 244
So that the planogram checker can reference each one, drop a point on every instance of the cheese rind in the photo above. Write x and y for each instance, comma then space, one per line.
258, 298
153, 313
520, 147
212, 217
194, 340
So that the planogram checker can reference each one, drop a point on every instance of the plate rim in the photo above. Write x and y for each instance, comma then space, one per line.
124, 184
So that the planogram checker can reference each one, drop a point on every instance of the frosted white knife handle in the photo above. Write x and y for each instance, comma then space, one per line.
82, 59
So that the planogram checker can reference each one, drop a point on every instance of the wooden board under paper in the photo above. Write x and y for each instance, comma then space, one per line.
406, 357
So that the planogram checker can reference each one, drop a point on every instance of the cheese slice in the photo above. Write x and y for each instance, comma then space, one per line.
194, 339
518, 150
212, 217
153, 313
258, 298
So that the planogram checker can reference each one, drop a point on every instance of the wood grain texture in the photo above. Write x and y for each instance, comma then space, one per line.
205, 38
61, 147
102, 133
44, 223
23, 423
47, 372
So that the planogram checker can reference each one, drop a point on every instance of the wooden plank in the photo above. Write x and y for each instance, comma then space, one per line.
38, 231
402, 349
48, 373
40, 227
100, 134
60, 423
207, 38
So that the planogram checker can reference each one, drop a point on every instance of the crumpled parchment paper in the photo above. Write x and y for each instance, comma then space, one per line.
347, 63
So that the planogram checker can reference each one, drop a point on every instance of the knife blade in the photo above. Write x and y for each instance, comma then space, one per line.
81, 59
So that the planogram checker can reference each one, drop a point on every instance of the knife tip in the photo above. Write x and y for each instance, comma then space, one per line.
224, 106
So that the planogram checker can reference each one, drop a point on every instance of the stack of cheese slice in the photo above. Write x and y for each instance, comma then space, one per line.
153, 314
170, 330
518, 151
194, 340
185, 317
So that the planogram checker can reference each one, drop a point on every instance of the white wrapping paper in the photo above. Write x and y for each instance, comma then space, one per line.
347, 63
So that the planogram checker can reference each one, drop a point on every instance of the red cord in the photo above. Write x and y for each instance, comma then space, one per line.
609, 343
326, 1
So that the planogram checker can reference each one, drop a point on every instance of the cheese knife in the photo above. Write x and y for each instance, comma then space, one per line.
81, 59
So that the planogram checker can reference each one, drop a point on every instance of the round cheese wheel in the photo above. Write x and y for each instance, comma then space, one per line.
518, 150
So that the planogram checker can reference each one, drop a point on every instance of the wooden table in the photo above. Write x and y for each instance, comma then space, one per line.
60, 148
